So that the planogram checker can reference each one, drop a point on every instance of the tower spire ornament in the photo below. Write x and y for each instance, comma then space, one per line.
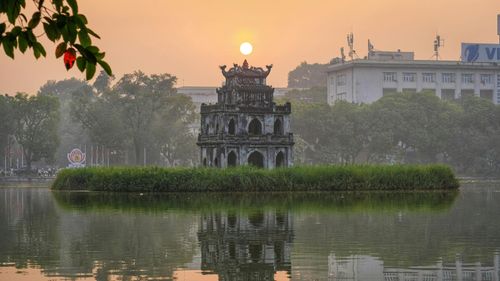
245, 126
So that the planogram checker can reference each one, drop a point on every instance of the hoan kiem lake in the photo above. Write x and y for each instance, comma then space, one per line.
48, 235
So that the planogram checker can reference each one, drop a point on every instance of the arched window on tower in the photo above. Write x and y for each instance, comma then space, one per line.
280, 160
231, 128
232, 159
255, 127
256, 159
278, 127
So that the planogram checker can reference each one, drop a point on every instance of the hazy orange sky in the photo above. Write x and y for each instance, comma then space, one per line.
190, 38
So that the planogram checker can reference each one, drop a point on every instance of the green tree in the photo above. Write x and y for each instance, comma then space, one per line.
348, 127
172, 134
62, 23
474, 146
97, 114
6, 123
36, 120
140, 99
312, 95
308, 76
71, 133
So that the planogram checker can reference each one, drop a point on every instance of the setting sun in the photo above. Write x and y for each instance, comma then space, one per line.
246, 48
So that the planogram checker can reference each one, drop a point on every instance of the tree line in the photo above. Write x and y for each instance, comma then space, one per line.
401, 128
138, 120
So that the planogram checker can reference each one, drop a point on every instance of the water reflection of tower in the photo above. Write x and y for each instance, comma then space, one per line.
246, 246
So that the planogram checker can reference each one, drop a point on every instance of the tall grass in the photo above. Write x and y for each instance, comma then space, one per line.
249, 179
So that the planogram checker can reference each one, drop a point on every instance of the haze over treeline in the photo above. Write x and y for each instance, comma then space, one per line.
191, 38
140, 119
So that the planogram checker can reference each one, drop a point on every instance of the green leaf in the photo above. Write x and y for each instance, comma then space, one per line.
81, 63
40, 48
86, 53
13, 10
30, 36
16, 30
73, 5
35, 20
36, 52
106, 67
93, 33
72, 32
60, 49
90, 70
3, 26
51, 31
84, 38
8, 48
23, 43
83, 18
93, 49
58, 4
100, 56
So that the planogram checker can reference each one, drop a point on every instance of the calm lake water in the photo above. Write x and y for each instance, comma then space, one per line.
47, 235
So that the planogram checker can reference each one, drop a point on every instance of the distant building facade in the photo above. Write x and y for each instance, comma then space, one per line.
367, 80
199, 95
245, 126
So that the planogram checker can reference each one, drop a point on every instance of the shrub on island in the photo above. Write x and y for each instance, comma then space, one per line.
250, 179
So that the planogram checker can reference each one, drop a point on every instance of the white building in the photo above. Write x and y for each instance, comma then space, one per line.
367, 80
199, 95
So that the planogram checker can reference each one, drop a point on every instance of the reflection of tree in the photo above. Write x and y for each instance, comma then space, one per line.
250, 246
28, 227
402, 239
100, 243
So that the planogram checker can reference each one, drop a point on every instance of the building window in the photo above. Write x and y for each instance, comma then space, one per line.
390, 77
486, 79
486, 94
466, 93
467, 78
409, 90
448, 77
448, 94
341, 80
409, 77
429, 77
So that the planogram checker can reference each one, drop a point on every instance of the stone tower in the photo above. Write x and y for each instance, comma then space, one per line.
245, 126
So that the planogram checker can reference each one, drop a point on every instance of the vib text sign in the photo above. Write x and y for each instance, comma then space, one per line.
472, 52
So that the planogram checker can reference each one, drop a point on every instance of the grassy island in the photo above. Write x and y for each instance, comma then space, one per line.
249, 179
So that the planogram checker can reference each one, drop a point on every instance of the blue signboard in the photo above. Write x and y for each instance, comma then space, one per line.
472, 52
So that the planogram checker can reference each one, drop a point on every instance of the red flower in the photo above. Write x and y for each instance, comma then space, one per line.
69, 58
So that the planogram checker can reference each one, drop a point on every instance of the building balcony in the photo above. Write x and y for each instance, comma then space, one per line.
246, 139
215, 108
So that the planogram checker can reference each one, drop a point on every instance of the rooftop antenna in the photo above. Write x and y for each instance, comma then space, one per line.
371, 48
350, 43
498, 27
342, 54
438, 43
